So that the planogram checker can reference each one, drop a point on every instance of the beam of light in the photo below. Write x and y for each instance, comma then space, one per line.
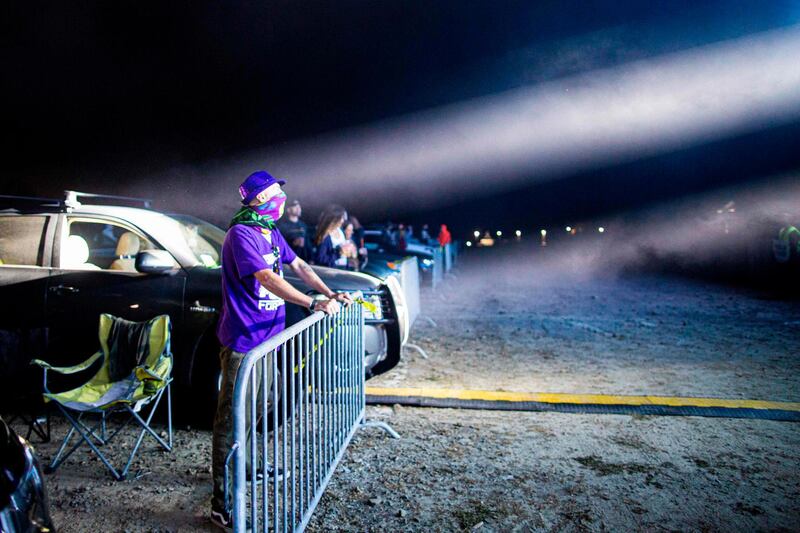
601, 229
476, 233
518, 233
448, 154
499, 233
568, 228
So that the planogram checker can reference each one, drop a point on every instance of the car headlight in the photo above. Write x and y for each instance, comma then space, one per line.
375, 300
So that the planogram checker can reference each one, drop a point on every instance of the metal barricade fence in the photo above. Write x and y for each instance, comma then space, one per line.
437, 272
292, 434
448, 258
409, 280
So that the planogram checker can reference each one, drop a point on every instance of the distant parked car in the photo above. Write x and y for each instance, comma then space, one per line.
63, 263
23, 498
378, 247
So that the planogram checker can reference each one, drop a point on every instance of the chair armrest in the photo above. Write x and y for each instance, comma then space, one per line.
68, 369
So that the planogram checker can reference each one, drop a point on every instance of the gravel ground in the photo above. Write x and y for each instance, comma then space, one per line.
537, 324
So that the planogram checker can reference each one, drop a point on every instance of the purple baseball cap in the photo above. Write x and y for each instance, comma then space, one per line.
255, 183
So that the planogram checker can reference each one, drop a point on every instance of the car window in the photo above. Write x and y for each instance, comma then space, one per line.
102, 245
22, 240
202, 238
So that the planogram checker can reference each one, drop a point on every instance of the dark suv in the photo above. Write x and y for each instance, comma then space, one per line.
63, 263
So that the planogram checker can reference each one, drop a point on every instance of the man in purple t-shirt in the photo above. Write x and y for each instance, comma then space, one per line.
253, 303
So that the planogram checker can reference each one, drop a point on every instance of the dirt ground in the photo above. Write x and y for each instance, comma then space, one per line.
531, 325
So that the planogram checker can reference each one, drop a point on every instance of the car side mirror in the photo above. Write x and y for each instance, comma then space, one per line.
154, 262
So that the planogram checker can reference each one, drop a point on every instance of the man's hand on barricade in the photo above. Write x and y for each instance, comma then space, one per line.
344, 298
329, 307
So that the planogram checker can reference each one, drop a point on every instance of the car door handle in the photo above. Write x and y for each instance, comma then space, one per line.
64, 289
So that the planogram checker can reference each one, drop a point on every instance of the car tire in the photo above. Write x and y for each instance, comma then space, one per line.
393, 353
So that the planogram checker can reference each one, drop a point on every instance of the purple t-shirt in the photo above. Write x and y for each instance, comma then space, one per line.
250, 313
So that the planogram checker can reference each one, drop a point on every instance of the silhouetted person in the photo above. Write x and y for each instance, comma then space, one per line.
333, 250
444, 236
295, 231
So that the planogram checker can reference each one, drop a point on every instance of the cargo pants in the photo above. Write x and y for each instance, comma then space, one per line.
222, 440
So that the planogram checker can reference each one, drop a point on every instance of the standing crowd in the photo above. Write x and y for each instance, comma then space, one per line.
338, 241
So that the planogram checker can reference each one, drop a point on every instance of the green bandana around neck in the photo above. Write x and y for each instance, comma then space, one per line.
249, 217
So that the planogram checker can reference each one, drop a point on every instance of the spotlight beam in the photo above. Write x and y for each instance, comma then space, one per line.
537, 133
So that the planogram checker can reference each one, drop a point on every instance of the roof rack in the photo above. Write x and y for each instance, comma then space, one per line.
35, 200
71, 198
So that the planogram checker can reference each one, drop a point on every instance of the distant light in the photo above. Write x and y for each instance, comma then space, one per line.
518, 233
543, 232
469, 243
499, 233
601, 229
476, 233
134, 306
569, 228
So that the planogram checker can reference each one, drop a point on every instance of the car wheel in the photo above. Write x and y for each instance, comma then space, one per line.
393, 352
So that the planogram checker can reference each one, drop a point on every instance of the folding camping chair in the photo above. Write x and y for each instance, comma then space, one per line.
136, 370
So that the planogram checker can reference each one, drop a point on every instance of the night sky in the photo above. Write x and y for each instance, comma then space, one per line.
103, 96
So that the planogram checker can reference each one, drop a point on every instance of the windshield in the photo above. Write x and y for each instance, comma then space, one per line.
202, 238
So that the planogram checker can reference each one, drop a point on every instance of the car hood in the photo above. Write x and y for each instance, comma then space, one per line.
338, 280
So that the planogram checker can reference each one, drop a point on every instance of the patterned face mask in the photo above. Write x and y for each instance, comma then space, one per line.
272, 208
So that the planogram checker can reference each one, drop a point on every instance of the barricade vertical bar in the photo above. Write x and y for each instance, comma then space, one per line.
332, 390
353, 366
321, 407
344, 356
321, 387
359, 363
337, 373
327, 391
317, 406
328, 410
337, 376
362, 377
264, 439
301, 430
312, 404
353, 336
344, 371
275, 438
358, 357
239, 463
284, 428
333, 374
309, 390
334, 347
345, 399
292, 411
253, 392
